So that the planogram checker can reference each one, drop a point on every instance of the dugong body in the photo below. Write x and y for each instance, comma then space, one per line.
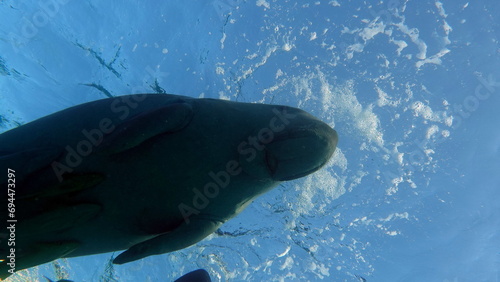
150, 173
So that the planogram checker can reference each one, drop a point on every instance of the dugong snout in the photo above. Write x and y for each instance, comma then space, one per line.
305, 147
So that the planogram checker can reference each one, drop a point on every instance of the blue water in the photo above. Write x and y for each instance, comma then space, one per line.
412, 88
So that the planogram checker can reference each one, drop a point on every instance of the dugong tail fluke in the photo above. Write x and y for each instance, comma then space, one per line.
146, 173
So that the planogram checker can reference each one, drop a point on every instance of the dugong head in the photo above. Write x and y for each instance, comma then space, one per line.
293, 145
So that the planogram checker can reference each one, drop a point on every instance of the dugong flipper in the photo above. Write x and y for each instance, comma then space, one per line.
149, 173
164, 120
183, 236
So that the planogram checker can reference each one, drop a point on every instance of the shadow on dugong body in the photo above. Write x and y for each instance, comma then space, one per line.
150, 173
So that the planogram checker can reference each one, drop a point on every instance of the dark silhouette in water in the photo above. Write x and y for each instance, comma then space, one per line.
199, 275
149, 173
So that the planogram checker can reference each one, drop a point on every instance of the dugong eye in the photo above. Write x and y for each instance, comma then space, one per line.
271, 162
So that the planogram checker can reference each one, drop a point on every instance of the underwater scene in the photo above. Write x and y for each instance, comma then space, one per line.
262, 140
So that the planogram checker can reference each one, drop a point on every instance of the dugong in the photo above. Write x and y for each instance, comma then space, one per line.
150, 173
